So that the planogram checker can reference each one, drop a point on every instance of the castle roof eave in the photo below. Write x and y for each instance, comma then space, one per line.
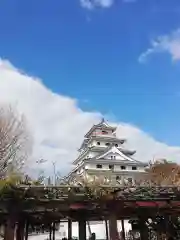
124, 150
73, 171
85, 141
127, 153
80, 157
107, 138
114, 149
102, 124
118, 162
104, 137
115, 173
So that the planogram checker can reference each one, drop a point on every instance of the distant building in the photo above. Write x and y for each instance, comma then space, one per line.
103, 154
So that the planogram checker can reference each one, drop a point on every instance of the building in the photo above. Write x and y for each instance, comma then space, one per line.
103, 154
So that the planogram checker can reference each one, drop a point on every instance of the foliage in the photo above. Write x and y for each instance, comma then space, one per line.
163, 172
160, 175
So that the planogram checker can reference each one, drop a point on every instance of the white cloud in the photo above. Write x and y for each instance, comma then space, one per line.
58, 124
91, 4
167, 43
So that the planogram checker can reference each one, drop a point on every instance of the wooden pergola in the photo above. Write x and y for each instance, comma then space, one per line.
24, 205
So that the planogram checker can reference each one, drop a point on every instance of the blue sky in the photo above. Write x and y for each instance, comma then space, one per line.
93, 55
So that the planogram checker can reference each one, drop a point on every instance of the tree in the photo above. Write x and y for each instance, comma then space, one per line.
163, 172
15, 141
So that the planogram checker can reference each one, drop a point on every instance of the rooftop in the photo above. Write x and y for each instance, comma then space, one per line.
103, 125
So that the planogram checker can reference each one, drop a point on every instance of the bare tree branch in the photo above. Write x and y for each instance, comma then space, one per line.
15, 141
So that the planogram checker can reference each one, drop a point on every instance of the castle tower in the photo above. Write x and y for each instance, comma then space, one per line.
103, 154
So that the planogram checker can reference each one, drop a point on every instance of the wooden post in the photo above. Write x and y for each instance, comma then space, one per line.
107, 232
69, 229
144, 233
143, 229
20, 230
123, 229
113, 227
9, 228
50, 232
26, 230
53, 231
82, 229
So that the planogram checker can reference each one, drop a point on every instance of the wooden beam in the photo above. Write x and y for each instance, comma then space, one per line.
50, 232
123, 229
82, 229
10, 228
113, 226
69, 229
20, 229
26, 230
53, 231
107, 230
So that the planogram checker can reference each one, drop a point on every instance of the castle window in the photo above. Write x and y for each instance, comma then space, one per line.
98, 166
116, 145
111, 166
123, 167
134, 168
104, 132
98, 143
107, 144
117, 177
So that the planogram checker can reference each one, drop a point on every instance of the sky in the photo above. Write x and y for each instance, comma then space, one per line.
67, 63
